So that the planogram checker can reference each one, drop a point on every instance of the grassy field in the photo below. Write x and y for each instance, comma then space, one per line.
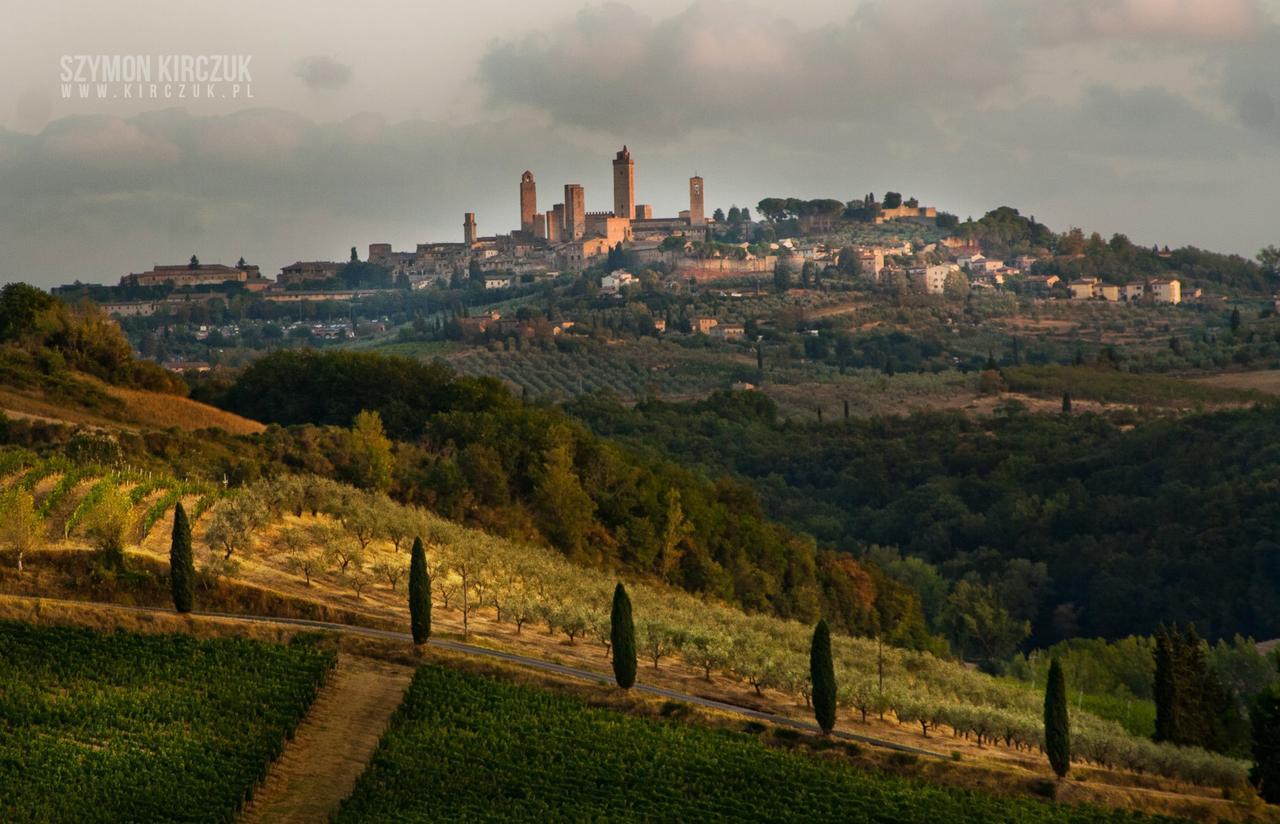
1112, 386
471, 748
126, 727
1261, 380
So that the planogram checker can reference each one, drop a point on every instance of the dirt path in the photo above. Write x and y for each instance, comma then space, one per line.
333, 743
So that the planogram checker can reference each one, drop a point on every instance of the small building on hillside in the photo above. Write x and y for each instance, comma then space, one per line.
728, 331
932, 279
1166, 290
1083, 289
1041, 283
871, 263
616, 281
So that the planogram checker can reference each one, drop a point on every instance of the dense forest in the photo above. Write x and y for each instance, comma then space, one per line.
1073, 523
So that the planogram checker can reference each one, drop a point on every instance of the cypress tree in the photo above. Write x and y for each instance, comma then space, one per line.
419, 594
1165, 690
1198, 704
823, 675
1193, 708
1057, 726
622, 633
182, 571
1265, 716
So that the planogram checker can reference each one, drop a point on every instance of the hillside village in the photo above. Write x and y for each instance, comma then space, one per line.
691, 248
806, 298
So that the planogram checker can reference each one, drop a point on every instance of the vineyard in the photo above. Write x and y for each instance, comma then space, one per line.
470, 748
315, 531
151, 495
143, 728
359, 543
636, 369
629, 370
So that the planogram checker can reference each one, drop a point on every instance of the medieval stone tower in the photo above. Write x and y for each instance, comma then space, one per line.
528, 202
555, 223
624, 185
575, 212
697, 212
469, 228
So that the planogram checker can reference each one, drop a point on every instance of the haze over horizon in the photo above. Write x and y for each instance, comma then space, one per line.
1154, 118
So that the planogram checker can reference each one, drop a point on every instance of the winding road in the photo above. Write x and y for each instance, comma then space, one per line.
521, 660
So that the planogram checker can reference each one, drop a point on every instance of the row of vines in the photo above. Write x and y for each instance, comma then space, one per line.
525, 586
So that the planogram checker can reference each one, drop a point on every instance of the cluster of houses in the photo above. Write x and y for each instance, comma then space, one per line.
1158, 290
981, 272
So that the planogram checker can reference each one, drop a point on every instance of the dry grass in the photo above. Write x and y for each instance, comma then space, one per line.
1261, 380
154, 410
330, 748
140, 410
36, 407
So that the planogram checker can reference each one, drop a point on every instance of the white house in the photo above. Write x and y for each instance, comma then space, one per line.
933, 279
615, 281
1166, 291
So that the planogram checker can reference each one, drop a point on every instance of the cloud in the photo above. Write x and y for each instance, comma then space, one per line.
724, 65
1150, 117
95, 197
1188, 20
324, 73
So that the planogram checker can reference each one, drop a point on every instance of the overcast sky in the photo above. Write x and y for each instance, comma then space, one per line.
385, 120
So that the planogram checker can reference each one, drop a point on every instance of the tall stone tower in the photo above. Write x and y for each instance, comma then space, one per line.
528, 202
555, 224
575, 212
697, 211
469, 228
624, 185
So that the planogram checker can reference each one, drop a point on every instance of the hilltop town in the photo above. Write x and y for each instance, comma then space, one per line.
567, 238
806, 298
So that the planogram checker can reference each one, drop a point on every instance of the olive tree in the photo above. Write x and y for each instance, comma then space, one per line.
20, 524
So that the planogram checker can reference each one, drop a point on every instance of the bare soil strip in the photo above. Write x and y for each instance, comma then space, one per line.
331, 746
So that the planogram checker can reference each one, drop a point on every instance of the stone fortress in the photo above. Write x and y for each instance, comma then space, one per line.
565, 237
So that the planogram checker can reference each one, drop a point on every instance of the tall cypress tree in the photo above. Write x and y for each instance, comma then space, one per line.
823, 675
1057, 725
1166, 687
419, 594
1199, 699
622, 633
182, 570
1265, 716
1193, 708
